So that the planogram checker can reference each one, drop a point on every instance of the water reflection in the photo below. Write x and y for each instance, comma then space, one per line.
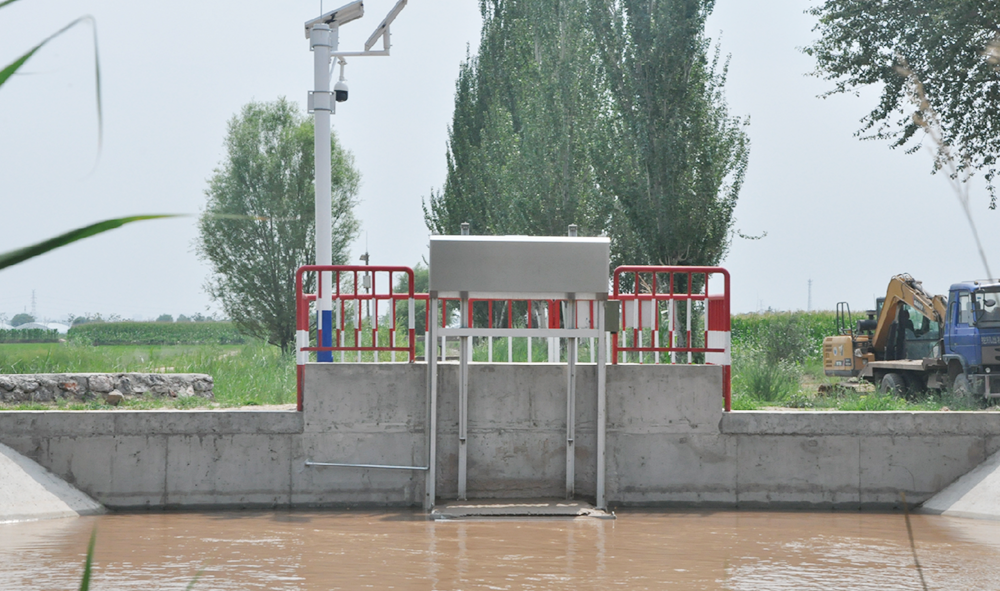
640, 550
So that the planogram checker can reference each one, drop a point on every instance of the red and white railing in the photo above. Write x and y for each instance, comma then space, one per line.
356, 315
649, 318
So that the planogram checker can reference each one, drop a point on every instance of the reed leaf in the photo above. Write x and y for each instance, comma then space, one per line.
85, 582
14, 66
20, 255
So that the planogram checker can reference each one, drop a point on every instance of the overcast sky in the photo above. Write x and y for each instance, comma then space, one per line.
844, 213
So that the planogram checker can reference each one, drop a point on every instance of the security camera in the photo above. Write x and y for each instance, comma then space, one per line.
340, 91
340, 88
338, 16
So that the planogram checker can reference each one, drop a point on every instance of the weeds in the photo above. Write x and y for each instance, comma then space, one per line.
755, 375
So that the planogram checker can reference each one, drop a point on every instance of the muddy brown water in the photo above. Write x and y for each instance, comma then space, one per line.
639, 550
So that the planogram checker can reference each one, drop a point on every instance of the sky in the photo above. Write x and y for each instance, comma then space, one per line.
842, 213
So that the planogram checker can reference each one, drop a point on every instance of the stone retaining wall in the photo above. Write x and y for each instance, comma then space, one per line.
49, 387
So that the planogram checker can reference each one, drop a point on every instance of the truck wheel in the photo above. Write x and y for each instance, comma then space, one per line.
894, 384
964, 388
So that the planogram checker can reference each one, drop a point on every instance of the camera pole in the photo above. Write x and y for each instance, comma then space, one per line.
323, 41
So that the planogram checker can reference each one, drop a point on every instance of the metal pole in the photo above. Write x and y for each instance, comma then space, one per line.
571, 402
602, 353
430, 343
463, 402
571, 353
322, 41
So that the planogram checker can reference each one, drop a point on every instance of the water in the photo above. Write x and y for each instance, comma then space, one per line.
640, 550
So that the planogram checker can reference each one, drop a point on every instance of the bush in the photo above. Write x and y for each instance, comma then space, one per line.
756, 376
156, 333
789, 336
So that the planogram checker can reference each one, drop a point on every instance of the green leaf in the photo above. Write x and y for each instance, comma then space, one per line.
85, 583
14, 66
20, 255
197, 575
6, 2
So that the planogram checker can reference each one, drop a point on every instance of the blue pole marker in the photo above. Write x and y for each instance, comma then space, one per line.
326, 321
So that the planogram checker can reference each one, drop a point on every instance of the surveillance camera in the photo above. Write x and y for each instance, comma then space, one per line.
340, 91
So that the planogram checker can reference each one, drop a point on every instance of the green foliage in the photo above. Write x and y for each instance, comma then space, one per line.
519, 154
164, 318
952, 47
756, 376
88, 563
794, 336
259, 222
156, 333
605, 114
31, 335
20, 255
673, 160
22, 318
772, 350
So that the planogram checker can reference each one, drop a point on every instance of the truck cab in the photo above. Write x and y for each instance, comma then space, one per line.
972, 336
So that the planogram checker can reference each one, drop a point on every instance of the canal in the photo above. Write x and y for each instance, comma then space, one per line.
293, 550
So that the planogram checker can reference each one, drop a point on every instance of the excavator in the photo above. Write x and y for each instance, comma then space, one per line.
954, 344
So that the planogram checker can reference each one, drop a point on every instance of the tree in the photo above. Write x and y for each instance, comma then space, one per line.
22, 318
518, 152
258, 226
950, 47
673, 161
165, 318
604, 113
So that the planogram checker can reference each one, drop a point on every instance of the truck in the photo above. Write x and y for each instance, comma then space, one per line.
915, 341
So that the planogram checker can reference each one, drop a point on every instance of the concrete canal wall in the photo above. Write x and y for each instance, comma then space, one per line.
29, 492
668, 443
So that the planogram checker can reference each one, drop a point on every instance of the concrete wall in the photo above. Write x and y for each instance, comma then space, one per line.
668, 443
132, 459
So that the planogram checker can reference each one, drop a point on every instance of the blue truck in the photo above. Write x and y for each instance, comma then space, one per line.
914, 341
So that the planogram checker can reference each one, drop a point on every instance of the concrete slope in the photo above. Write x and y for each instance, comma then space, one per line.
975, 495
29, 492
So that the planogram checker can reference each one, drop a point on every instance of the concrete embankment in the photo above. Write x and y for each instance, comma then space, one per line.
29, 492
668, 443
975, 495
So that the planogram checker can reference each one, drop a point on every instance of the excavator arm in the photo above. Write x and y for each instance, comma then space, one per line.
904, 289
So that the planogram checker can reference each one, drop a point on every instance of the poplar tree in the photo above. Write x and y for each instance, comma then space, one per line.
608, 114
519, 158
672, 160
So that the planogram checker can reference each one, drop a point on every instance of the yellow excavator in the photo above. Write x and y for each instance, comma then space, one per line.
889, 348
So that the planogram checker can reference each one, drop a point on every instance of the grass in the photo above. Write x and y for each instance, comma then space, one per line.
777, 363
245, 375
